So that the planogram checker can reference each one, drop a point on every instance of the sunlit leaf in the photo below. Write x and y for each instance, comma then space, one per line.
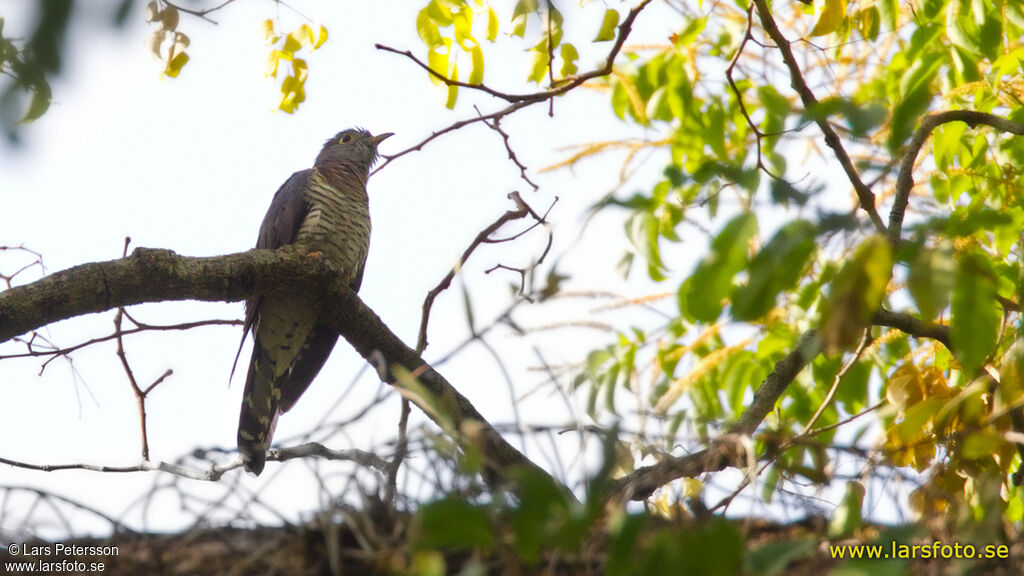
569, 56
538, 65
492, 24
176, 64
476, 73
608, 25
831, 18
321, 38
453, 90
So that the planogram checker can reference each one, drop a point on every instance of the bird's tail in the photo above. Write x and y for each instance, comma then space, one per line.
261, 400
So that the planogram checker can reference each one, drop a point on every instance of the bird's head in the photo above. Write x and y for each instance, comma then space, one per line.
354, 145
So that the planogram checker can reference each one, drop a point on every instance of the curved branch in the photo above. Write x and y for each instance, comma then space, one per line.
905, 180
157, 275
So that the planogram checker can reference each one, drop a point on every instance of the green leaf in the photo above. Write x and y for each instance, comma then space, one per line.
831, 18
713, 278
539, 66
453, 523
981, 445
608, 25
975, 318
520, 14
41, 100
775, 269
907, 113
856, 294
569, 56
930, 279
890, 11
847, 517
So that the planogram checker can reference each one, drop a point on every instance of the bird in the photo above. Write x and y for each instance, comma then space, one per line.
321, 211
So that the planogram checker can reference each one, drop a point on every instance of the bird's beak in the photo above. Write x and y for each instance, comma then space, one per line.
381, 137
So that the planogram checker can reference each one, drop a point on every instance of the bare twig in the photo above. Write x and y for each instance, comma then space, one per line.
495, 125
199, 13
483, 237
865, 340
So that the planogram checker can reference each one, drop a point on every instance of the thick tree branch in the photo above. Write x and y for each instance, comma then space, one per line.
729, 449
912, 325
905, 180
157, 275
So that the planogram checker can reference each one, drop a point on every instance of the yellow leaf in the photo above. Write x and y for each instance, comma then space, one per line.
476, 74
268, 30
292, 43
492, 24
321, 39
904, 388
304, 34
300, 70
831, 18
273, 60
176, 64
453, 90
692, 487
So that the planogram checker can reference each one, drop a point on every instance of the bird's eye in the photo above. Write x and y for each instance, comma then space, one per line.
346, 139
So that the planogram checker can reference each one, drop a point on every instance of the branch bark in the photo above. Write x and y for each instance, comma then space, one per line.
150, 275
905, 180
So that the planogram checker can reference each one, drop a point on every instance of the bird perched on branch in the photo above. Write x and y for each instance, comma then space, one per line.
322, 210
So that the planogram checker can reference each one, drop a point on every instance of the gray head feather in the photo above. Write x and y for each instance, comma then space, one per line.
352, 146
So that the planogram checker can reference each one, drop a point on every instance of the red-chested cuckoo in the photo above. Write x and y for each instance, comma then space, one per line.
322, 210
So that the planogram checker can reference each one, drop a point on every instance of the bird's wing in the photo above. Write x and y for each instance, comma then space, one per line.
280, 226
